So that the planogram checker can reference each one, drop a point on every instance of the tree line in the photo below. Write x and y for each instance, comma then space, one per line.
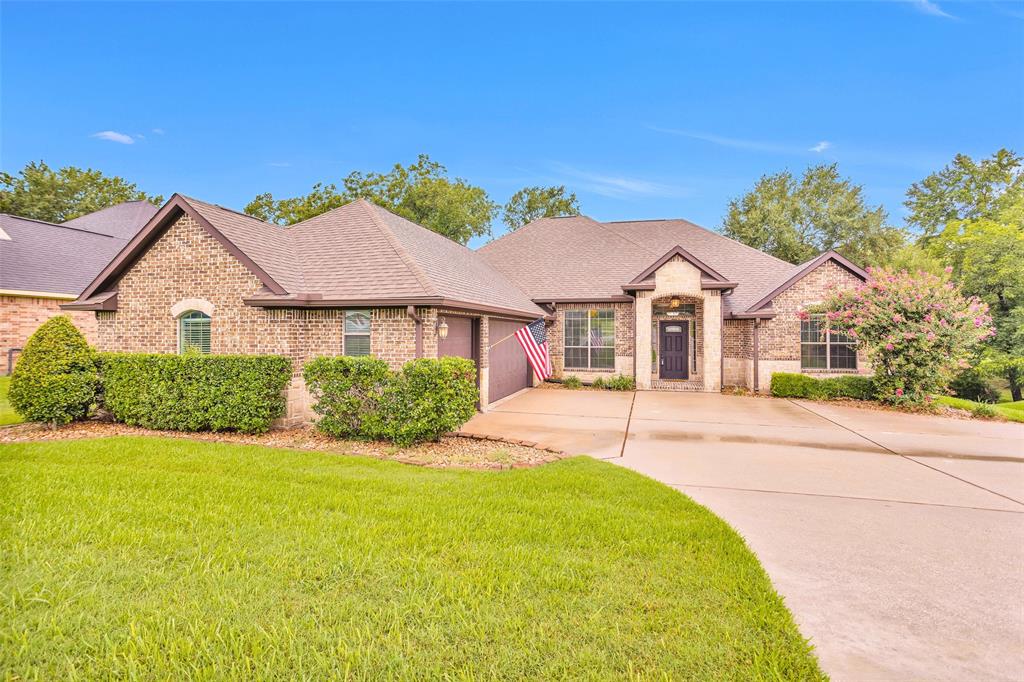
967, 219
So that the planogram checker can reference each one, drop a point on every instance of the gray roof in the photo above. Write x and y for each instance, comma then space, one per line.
63, 259
579, 257
122, 221
360, 251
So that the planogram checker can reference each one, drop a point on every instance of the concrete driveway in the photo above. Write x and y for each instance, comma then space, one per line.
897, 540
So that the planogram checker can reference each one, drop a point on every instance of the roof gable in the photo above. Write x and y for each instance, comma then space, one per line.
685, 255
175, 207
800, 271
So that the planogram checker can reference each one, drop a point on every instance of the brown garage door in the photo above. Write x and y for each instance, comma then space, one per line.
508, 370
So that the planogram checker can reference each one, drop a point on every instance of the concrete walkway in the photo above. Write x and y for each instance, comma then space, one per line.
897, 540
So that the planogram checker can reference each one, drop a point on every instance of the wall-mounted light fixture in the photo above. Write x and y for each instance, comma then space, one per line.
442, 329
674, 303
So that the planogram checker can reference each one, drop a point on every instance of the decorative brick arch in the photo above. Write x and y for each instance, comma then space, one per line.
186, 304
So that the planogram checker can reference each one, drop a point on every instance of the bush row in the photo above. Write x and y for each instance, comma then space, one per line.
787, 385
194, 392
360, 397
616, 382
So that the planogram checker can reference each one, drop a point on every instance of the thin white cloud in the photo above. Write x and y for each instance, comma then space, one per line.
114, 136
616, 186
930, 8
722, 141
279, 164
738, 143
158, 131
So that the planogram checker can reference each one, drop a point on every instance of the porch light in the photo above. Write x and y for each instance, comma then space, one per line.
674, 303
442, 329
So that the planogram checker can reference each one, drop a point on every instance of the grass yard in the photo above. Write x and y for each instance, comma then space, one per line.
7, 413
151, 558
1011, 411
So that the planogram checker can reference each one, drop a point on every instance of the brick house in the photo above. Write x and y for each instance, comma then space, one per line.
45, 264
674, 305
667, 302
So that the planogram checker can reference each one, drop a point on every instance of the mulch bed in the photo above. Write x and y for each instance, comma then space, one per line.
464, 451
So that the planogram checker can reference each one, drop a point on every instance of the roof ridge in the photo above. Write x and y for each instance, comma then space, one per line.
417, 272
622, 236
706, 229
63, 226
231, 210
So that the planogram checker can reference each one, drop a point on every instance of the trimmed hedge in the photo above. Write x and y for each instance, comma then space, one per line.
194, 392
788, 385
348, 392
54, 380
362, 398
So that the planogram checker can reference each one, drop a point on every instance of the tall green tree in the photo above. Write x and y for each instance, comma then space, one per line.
797, 219
421, 192
965, 190
986, 255
39, 192
531, 203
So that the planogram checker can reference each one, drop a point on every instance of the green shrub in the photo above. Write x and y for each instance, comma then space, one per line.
362, 398
347, 392
971, 384
598, 383
429, 398
572, 382
195, 392
54, 380
620, 382
984, 410
790, 385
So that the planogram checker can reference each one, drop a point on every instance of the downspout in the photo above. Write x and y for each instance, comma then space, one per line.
721, 347
757, 352
418, 321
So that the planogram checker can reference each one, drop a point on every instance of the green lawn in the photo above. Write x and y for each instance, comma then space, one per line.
1012, 411
7, 413
152, 558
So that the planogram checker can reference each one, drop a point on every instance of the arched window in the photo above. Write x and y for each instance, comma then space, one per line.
194, 332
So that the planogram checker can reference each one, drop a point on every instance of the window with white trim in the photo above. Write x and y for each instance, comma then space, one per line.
194, 332
357, 332
590, 339
825, 350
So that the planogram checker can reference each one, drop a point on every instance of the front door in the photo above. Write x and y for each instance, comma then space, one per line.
674, 342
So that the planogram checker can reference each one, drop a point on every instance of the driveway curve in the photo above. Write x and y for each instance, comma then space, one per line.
896, 539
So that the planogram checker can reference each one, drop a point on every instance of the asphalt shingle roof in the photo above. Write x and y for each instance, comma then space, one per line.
64, 259
360, 251
578, 257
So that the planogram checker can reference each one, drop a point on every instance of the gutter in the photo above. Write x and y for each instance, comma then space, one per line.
411, 312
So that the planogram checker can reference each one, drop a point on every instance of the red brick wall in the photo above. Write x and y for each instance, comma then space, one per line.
20, 316
779, 337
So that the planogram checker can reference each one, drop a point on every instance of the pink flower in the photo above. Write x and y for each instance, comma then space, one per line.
899, 391
978, 321
949, 269
889, 346
897, 318
931, 336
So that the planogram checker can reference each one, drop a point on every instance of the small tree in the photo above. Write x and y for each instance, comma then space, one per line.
55, 379
531, 203
918, 330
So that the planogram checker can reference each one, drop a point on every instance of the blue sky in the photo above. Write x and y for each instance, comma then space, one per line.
645, 110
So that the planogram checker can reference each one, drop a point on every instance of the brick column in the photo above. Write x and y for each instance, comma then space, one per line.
642, 352
712, 341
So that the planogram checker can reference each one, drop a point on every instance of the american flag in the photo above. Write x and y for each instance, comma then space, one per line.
534, 340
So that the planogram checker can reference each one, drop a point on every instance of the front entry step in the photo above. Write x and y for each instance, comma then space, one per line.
663, 385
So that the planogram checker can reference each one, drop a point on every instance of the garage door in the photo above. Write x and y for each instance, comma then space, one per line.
508, 370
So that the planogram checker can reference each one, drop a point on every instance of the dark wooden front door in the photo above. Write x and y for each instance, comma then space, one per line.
674, 342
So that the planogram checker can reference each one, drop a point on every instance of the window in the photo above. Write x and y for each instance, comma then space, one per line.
194, 332
590, 339
357, 332
825, 350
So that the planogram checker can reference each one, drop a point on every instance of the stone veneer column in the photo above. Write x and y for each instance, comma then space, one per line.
642, 349
712, 340
484, 352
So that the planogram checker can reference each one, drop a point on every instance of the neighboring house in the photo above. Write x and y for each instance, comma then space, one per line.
45, 264
667, 302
